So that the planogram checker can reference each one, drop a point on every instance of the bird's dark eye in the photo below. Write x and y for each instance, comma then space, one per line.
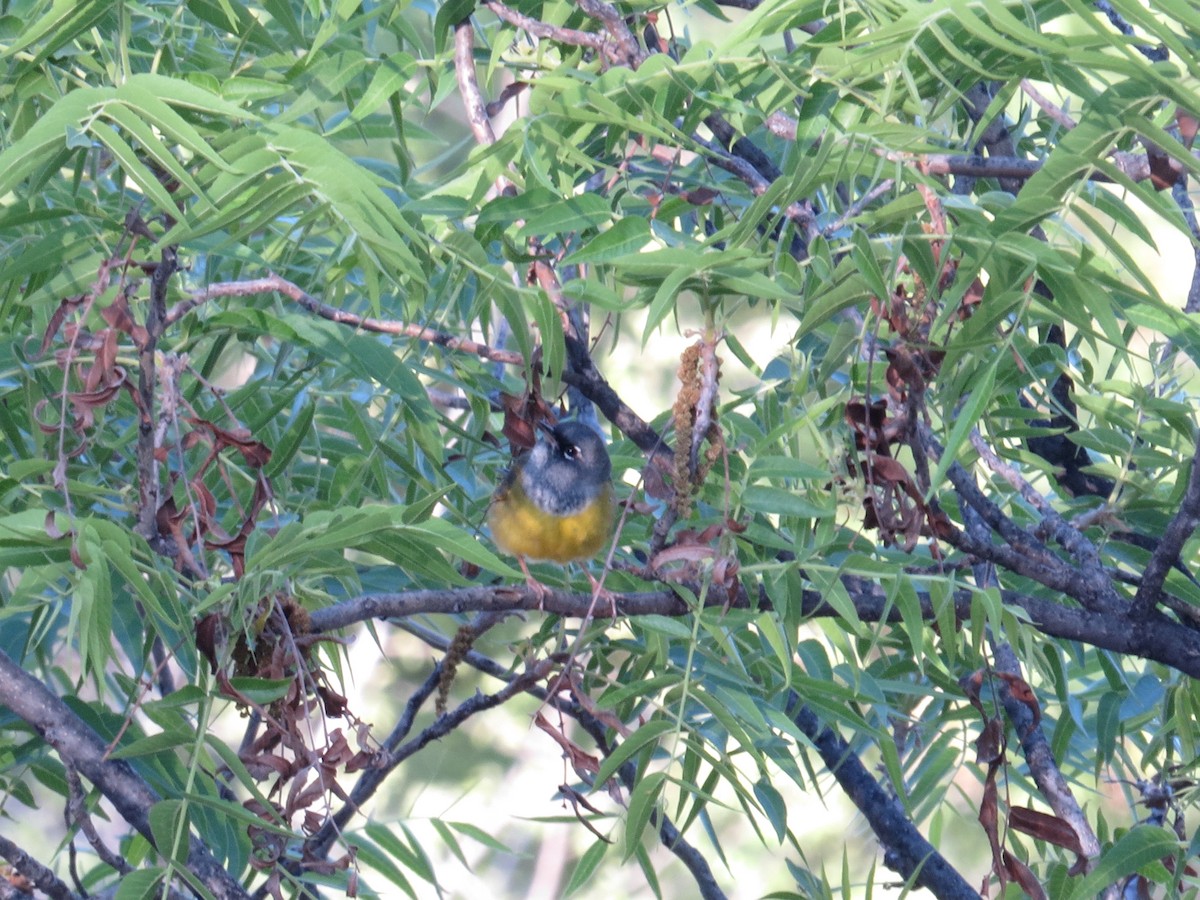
571, 451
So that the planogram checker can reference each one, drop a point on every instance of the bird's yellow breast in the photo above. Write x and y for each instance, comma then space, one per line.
523, 529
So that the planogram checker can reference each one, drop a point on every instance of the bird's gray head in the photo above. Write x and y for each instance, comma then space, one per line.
566, 468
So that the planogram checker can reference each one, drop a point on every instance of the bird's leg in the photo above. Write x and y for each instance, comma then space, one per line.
534, 585
600, 591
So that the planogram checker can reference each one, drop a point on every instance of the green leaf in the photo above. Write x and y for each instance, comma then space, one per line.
1141, 846
47, 136
389, 78
291, 440
406, 852
231, 761
726, 714
779, 468
664, 301
642, 803
150, 144
141, 884
449, 14
155, 98
1108, 725
355, 196
457, 542
772, 803
626, 236
135, 169
842, 291
150, 592
780, 501
588, 864
57, 27
1103, 123
644, 737
909, 604
386, 856
155, 743
966, 418
169, 825
478, 834
263, 691
566, 215
451, 842
775, 633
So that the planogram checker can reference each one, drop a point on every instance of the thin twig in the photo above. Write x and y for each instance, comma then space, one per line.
275, 284
1073, 540
43, 878
669, 835
1054, 112
77, 814
1171, 543
443, 725
537, 28
628, 51
858, 206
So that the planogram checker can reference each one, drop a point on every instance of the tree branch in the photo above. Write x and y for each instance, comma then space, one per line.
904, 849
1167, 551
1042, 765
371, 779
669, 835
1024, 555
538, 28
468, 85
1154, 54
147, 464
1154, 636
1183, 198
1011, 170
1070, 538
43, 878
582, 373
628, 51
82, 748
799, 212
494, 599
988, 510
275, 284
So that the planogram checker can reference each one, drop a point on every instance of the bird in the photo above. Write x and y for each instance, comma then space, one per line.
556, 501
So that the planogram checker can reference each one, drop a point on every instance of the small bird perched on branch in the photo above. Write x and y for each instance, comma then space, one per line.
556, 502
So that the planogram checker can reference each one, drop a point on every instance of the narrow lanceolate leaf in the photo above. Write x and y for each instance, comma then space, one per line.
1104, 122
965, 418
645, 736
642, 804
1138, 847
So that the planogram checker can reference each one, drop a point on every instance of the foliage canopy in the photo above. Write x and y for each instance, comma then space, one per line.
281, 277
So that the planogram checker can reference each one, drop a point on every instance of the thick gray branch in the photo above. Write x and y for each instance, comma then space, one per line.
82, 749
